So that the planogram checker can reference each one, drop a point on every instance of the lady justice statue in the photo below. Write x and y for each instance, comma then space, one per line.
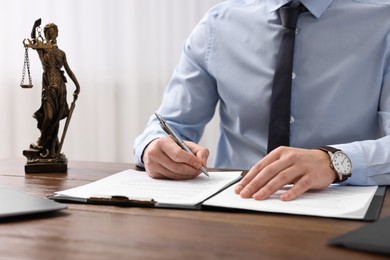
45, 154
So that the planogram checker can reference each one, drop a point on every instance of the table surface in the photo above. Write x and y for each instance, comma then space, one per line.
110, 232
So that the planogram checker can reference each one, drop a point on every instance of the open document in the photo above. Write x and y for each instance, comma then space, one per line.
136, 188
337, 201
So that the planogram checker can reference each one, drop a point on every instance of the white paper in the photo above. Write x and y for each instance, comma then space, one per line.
336, 201
139, 186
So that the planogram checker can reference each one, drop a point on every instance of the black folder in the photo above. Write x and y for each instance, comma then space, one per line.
374, 237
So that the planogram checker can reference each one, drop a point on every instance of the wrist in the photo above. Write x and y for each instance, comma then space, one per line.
325, 165
144, 150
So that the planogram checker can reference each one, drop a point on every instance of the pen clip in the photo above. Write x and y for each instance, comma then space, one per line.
167, 129
162, 123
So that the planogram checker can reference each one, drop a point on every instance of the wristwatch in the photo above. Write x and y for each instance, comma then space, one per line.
339, 162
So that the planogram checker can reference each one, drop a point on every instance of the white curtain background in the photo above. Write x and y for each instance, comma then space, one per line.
123, 53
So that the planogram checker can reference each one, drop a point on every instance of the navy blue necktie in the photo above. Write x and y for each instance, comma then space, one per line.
279, 126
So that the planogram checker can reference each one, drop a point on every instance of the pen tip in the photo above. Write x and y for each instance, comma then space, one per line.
205, 172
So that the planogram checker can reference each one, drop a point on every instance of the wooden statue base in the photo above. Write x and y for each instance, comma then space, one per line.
36, 163
45, 168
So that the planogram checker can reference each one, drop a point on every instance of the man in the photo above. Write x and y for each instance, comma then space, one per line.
340, 97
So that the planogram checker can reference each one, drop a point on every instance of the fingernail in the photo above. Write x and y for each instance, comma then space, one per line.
259, 196
285, 197
245, 193
238, 189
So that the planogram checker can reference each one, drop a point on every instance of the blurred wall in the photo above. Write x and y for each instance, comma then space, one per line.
123, 53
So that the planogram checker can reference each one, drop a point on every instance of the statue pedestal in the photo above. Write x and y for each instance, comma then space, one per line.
38, 163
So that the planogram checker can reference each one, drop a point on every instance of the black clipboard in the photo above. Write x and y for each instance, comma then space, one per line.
376, 204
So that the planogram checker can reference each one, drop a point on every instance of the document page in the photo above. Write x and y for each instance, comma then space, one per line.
138, 185
337, 201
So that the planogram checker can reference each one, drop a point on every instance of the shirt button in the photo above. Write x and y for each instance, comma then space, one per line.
293, 75
292, 119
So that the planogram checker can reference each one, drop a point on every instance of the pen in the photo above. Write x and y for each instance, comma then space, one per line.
164, 125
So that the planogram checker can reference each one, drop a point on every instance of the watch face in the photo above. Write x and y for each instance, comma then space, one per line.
341, 163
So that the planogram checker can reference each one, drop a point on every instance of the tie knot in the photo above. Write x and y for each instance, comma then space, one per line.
289, 14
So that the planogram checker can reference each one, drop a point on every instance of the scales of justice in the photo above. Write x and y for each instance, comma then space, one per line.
44, 155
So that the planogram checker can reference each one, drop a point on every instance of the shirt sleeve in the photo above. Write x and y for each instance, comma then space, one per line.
371, 158
190, 98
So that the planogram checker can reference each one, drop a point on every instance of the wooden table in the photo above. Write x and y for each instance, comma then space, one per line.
110, 232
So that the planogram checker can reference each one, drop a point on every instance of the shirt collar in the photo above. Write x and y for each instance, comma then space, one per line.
316, 7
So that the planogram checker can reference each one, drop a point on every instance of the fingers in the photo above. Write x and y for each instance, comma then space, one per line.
163, 158
266, 182
260, 174
160, 166
299, 188
201, 152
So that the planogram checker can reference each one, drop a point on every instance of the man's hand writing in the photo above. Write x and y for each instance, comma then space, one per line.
164, 158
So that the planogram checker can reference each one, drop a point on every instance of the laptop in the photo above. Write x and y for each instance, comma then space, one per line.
17, 203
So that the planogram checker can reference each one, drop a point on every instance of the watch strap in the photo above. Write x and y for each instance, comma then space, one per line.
329, 149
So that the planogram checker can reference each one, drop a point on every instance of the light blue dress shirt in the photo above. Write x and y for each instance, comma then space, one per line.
340, 92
